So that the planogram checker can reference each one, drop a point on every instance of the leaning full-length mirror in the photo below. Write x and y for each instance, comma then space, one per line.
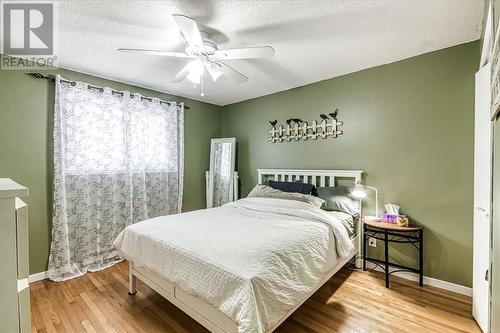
221, 188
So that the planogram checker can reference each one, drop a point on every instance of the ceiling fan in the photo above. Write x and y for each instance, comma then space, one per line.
205, 55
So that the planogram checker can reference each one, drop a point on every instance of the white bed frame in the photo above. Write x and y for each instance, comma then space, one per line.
209, 316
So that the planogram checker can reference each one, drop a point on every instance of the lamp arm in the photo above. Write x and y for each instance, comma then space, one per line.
376, 198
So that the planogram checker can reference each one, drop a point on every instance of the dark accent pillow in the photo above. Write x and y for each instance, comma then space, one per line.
337, 198
297, 187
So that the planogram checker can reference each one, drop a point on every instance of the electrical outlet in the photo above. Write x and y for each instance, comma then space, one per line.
372, 242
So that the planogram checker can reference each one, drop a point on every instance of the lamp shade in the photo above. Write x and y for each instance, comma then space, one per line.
358, 191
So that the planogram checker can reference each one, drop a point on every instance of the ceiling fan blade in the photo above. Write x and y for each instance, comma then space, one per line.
230, 72
214, 71
183, 73
245, 53
189, 29
157, 52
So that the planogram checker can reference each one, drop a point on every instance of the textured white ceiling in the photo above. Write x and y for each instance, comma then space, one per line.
314, 40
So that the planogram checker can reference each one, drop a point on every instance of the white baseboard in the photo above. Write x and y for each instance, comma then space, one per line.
429, 281
37, 277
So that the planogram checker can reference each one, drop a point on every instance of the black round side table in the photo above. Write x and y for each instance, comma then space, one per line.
392, 233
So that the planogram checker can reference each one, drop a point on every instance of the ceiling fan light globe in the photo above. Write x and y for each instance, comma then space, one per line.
216, 76
196, 70
196, 79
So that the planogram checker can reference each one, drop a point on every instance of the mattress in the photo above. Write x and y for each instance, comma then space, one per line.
254, 259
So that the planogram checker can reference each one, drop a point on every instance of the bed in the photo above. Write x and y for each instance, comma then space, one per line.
245, 266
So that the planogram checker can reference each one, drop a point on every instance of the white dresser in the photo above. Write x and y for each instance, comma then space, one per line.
14, 258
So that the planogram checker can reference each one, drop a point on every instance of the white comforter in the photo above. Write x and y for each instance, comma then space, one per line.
253, 259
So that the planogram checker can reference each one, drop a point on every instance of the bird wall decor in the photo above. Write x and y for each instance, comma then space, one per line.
297, 129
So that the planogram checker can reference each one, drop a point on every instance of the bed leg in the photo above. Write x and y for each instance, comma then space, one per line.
132, 290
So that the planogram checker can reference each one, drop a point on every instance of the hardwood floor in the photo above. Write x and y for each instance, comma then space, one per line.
352, 301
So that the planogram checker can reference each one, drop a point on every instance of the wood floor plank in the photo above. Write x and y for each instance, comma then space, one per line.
88, 326
36, 317
352, 301
43, 306
65, 323
103, 320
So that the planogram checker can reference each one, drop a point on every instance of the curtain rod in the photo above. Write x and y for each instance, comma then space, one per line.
53, 79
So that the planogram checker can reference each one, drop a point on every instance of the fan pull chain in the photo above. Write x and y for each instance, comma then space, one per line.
203, 84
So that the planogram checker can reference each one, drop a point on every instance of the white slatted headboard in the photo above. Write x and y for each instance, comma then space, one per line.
315, 177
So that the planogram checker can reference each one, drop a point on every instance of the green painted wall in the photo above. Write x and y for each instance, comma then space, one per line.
408, 125
26, 107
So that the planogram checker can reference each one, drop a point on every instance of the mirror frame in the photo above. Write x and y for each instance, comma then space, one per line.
209, 194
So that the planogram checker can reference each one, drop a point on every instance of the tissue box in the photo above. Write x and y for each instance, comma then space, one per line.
400, 220
389, 218
403, 221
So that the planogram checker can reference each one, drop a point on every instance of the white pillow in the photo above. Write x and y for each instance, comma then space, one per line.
264, 191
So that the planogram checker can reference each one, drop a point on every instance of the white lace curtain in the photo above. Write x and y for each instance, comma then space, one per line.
118, 159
